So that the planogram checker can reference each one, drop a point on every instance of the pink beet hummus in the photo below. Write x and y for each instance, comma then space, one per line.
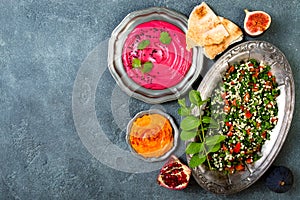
170, 61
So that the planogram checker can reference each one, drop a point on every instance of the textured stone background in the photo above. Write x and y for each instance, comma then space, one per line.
42, 45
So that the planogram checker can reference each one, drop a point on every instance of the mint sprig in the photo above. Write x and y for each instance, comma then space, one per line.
147, 67
143, 44
195, 126
136, 63
144, 68
165, 38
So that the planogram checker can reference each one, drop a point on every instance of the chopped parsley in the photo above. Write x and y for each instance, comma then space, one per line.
245, 106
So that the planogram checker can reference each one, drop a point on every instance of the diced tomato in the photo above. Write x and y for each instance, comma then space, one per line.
268, 83
270, 74
274, 119
240, 167
242, 71
251, 67
226, 102
247, 97
261, 67
255, 74
249, 160
231, 69
234, 102
230, 128
232, 82
258, 124
223, 95
229, 134
242, 108
255, 87
224, 147
264, 134
248, 131
248, 114
227, 108
228, 124
237, 148
230, 170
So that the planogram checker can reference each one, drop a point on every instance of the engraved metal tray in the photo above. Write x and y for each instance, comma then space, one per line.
217, 182
118, 72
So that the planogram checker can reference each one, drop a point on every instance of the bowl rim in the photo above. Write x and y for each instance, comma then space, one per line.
115, 64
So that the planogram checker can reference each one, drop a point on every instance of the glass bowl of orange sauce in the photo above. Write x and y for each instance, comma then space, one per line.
152, 135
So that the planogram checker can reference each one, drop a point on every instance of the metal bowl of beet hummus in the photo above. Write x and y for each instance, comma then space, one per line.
147, 55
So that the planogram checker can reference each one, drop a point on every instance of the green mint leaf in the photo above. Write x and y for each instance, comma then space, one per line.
214, 148
194, 147
147, 67
197, 160
189, 123
195, 97
181, 102
206, 119
186, 135
165, 38
214, 124
213, 140
136, 63
143, 44
184, 111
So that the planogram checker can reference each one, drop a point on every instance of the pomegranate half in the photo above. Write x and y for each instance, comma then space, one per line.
256, 22
174, 174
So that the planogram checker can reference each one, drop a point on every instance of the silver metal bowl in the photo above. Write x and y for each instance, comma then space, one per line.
117, 70
175, 134
217, 182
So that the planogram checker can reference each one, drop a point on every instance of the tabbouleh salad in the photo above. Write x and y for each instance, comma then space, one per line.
244, 104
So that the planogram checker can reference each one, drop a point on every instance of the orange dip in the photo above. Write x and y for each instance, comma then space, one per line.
151, 135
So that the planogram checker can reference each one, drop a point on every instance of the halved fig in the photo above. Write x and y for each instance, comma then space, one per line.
174, 174
256, 22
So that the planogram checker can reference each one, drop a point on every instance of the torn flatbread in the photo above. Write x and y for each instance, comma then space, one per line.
204, 27
235, 35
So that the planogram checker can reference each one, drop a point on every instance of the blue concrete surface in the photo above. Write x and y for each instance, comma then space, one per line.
43, 45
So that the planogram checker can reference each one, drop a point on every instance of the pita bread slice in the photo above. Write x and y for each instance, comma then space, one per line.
235, 35
204, 27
